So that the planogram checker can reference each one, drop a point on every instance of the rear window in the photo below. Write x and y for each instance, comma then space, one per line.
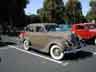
40, 29
30, 29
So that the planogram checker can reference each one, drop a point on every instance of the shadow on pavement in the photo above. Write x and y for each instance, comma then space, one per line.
78, 55
6, 43
69, 56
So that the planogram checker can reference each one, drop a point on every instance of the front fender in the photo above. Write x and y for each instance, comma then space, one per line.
55, 42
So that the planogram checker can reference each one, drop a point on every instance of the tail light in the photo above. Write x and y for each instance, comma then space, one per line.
22, 34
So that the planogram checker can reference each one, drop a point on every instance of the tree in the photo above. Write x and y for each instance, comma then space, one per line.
52, 11
32, 19
74, 11
12, 12
16, 12
91, 15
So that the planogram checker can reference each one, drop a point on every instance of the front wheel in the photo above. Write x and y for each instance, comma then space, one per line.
56, 52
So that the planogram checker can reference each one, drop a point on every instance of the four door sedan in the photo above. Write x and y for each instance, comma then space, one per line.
45, 38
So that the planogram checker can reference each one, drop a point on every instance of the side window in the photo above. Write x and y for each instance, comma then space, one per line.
80, 27
39, 29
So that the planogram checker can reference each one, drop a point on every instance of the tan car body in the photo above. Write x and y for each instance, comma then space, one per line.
44, 40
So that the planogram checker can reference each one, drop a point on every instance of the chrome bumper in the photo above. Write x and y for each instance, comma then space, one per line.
72, 51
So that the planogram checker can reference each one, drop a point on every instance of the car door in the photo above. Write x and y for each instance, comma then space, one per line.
39, 38
82, 31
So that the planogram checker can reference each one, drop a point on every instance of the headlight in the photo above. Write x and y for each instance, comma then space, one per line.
73, 32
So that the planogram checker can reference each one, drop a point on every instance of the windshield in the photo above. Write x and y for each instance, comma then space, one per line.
64, 28
57, 28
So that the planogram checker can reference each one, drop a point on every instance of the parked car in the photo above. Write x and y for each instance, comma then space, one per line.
85, 31
45, 38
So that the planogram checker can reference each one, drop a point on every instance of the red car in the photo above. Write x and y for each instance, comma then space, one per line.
85, 31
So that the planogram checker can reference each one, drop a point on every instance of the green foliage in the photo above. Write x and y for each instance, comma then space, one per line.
12, 12
74, 11
32, 19
52, 11
91, 15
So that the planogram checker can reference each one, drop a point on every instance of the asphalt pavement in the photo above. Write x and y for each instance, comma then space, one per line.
13, 58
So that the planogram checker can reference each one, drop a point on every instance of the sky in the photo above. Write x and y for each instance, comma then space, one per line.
33, 5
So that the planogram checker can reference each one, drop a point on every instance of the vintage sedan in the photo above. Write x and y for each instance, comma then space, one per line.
85, 31
45, 38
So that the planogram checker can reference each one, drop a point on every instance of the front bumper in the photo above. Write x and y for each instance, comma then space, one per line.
72, 47
72, 50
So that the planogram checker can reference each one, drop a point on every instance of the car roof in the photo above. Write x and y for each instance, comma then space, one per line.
41, 24
85, 23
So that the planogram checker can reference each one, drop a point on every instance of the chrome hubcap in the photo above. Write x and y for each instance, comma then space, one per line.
56, 52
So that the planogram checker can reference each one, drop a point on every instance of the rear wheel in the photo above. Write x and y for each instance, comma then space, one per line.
56, 52
26, 44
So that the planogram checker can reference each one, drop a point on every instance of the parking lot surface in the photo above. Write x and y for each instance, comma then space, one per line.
13, 58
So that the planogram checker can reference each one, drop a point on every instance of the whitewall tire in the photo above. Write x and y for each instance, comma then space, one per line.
26, 44
56, 52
